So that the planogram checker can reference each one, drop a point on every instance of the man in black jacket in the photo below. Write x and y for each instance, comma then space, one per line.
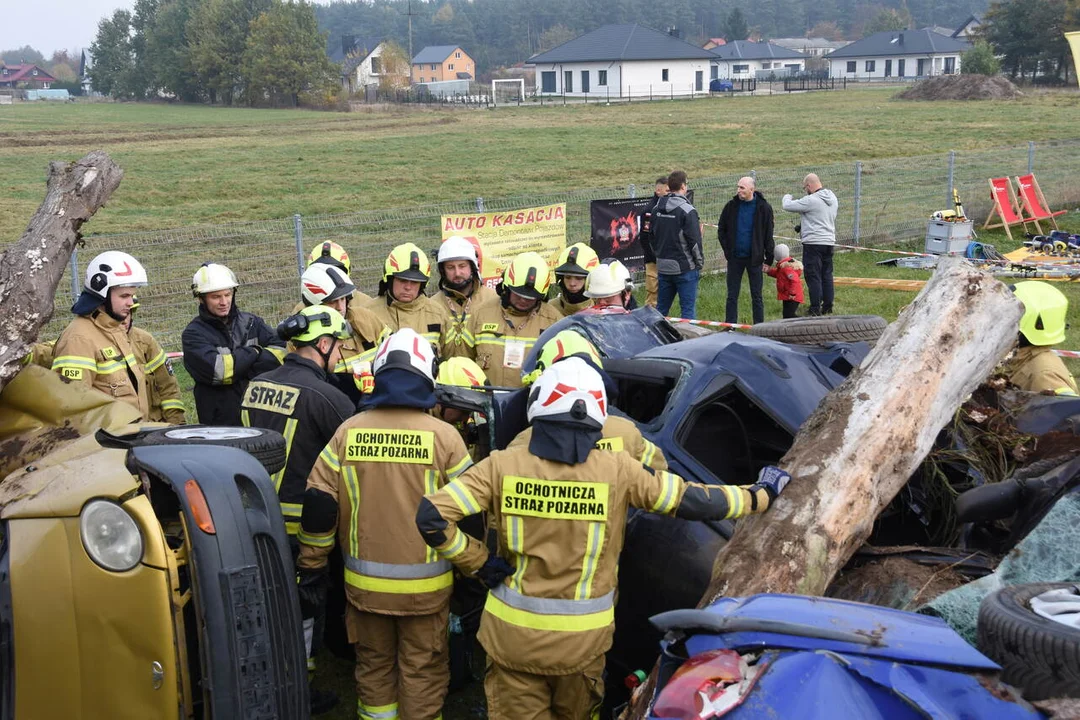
745, 231
676, 242
224, 347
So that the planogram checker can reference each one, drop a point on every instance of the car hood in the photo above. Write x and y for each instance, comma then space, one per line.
896, 635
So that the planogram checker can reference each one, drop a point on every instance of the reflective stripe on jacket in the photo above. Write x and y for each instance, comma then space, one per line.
297, 401
561, 527
222, 357
166, 403
459, 341
424, 315
96, 350
619, 434
378, 466
494, 328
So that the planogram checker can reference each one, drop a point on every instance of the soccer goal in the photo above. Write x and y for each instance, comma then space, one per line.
507, 91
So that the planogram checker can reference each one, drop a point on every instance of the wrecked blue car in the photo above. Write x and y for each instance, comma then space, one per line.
818, 659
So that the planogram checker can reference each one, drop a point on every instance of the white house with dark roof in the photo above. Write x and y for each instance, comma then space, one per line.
623, 61
741, 59
899, 54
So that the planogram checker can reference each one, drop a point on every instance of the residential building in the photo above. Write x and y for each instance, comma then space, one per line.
898, 53
25, 76
437, 63
741, 59
714, 43
622, 61
364, 65
811, 47
968, 28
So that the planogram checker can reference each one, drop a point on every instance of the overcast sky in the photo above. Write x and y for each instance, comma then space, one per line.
48, 25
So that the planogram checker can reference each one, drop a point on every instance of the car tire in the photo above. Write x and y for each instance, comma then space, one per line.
266, 446
1038, 655
822, 328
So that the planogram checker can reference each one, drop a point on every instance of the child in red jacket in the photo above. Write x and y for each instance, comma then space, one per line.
788, 274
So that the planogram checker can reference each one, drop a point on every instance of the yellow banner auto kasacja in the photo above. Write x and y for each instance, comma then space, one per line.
502, 235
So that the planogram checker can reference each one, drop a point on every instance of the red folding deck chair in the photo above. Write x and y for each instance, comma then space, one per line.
1034, 202
1005, 207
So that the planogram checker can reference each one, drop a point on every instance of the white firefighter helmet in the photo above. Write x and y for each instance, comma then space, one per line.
456, 247
322, 283
407, 350
608, 279
212, 277
113, 269
571, 391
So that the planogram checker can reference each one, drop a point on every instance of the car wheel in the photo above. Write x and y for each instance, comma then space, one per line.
822, 328
1038, 655
266, 446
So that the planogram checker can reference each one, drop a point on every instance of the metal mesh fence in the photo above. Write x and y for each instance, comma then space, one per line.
881, 201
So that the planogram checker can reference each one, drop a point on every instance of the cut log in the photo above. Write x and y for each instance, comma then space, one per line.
867, 437
31, 269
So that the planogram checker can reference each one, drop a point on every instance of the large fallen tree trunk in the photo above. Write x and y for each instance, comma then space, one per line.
858, 449
31, 269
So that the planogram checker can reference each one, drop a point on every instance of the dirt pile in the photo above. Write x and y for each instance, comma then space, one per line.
961, 87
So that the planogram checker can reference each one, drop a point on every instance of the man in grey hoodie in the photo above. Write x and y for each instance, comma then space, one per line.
818, 233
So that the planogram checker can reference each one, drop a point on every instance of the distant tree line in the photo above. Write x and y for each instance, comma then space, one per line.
233, 52
498, 33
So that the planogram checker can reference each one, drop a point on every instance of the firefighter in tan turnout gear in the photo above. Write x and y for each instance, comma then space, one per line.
364, 491
461, 290
332, 254
506, 328
559, 506
95, 348
402, 303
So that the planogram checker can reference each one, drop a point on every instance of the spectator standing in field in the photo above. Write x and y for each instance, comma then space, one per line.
745, 231
676, 242
817, 229
788, 274
646, 241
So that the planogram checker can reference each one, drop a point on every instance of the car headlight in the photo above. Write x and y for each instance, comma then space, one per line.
110, 536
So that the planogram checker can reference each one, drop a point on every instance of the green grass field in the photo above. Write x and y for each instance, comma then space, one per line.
195, 164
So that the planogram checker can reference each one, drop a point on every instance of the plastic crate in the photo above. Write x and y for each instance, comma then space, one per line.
948, 238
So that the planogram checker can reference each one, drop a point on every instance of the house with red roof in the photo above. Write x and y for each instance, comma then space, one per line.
25, 76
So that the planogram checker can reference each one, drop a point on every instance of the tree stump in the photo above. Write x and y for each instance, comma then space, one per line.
31, 269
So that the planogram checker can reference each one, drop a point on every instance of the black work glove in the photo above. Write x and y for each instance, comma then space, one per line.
494, 571
313, 586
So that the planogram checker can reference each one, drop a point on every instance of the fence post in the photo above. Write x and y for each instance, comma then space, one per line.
479, 204
76, 287
298, 232
1031, 156
632, 190
952, 170
858, 201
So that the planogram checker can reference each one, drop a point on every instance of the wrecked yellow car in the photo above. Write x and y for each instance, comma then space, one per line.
144, 569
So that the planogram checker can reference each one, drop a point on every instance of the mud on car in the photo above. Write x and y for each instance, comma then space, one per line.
144, 570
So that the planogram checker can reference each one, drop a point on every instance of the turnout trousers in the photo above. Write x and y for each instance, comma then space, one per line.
514, 695
402, 664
